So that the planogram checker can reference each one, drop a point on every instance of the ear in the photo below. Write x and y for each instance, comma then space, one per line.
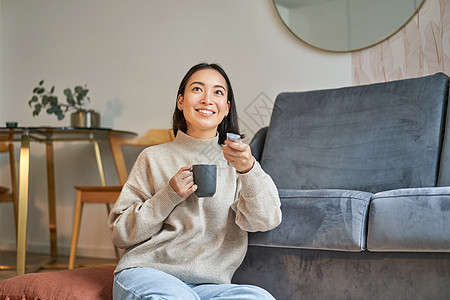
180, 102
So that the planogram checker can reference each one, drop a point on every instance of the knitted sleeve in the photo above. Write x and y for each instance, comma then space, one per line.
258, 205
138, 214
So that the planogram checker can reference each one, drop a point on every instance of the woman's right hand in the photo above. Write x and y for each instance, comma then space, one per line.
183, 182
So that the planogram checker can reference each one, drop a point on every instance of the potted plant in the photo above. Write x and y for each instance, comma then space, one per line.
76, 100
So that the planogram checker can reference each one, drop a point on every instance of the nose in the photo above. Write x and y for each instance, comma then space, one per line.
207, 99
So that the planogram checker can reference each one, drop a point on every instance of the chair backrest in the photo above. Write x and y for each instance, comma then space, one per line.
151, 138
9, 147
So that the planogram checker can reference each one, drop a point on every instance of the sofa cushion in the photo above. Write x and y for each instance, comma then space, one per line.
415, 220
319, 219
369, 138
82, 283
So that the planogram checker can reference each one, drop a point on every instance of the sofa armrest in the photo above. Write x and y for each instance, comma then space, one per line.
257, 143
327, 219
410, 220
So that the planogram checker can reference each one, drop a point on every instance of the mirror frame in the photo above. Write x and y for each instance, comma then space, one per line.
351, 50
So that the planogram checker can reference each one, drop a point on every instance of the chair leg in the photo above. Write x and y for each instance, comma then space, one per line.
15, 208
14, 192
116, 250
76, 229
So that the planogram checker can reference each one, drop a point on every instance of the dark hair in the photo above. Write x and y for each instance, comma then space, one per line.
228, 124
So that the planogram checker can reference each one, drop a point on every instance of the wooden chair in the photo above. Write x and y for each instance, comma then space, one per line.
5, 194
109, 194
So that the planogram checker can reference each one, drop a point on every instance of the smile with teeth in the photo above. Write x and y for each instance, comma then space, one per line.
204, 111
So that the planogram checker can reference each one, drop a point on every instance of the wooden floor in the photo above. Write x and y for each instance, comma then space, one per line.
8, 258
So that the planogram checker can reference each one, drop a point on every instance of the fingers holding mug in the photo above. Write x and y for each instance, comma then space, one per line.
183, 182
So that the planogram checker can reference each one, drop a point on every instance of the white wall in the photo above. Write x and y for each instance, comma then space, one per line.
132, 55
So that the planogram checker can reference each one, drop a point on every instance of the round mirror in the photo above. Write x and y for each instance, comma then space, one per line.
345, 25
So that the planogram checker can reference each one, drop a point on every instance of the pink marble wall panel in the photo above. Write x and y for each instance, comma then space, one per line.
420, 48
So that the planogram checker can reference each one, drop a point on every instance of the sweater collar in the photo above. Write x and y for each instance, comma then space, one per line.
190, 143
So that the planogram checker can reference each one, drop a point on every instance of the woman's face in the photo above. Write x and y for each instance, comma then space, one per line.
204, 103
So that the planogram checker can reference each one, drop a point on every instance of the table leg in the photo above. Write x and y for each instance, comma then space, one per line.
51, 199
98, 156
24, 172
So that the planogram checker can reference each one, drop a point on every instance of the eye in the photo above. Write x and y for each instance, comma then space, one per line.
219, 92
196, 89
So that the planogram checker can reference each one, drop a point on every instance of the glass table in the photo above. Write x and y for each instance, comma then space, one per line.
48, 135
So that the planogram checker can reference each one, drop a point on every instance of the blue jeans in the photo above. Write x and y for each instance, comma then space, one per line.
146, 283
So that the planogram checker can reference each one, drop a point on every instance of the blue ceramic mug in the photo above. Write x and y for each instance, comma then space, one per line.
205, 177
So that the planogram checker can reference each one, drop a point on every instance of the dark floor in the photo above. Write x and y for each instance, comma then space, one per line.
8, 261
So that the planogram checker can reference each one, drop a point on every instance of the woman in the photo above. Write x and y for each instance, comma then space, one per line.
180, 246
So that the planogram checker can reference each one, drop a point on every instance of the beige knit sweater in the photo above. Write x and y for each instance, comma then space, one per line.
198, 240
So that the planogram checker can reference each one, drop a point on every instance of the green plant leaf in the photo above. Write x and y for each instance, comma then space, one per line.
33, 99
41, 90
79, 89
69, 97
41, 82
70, 101
80, 99
52, 90
59, 112
35, 90
53, 100
67, 92
45, 100
37, 109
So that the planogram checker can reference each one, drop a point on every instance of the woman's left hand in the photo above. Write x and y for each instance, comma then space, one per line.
239, 155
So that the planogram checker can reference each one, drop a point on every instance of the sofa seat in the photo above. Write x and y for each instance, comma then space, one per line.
410, 220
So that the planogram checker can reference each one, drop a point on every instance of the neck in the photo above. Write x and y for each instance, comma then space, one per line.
190, 143
202, 135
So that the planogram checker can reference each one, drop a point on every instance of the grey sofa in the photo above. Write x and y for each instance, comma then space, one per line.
364, 180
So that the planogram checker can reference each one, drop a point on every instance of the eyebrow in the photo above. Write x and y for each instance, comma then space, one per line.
202, 84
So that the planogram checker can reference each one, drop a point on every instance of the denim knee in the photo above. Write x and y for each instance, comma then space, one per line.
250, 292
146, 283
231, 291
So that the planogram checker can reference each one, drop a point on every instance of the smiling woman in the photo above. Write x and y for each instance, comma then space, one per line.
345, 25
178, 242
